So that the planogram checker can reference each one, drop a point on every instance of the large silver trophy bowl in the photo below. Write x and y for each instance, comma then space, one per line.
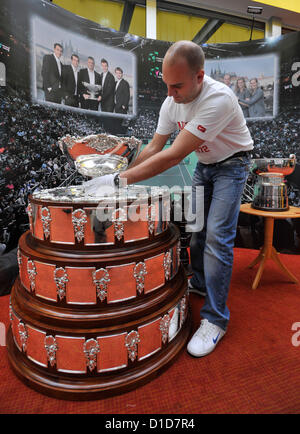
93, 165
92, 89
270, 189
100, 154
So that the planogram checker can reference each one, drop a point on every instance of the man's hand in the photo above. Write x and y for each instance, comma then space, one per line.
96, 185
86, 96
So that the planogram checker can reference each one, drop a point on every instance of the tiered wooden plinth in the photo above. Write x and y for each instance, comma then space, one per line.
92, 321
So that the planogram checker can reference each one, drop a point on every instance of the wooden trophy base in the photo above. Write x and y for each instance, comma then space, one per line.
69, 387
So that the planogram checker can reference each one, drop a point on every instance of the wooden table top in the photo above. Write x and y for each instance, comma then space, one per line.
292, 212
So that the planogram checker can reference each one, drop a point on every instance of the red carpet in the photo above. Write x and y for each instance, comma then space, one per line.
255, 368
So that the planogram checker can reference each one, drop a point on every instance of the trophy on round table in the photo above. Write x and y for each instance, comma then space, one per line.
270, 189
93, 89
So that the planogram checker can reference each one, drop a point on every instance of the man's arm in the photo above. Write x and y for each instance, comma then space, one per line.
154, 164
155, 146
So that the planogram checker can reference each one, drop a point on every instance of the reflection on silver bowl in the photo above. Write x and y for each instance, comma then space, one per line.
76, 194
285, 166
93, 165
100, 144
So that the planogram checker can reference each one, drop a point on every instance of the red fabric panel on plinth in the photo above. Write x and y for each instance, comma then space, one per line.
155, 276
45, 286
113, 353
23, 272
80, 288
70, 355
122, 285
38, 230
36, 346
61, 226
150, 339
132, 230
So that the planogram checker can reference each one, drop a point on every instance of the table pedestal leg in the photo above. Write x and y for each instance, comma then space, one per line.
276, 258
268, 252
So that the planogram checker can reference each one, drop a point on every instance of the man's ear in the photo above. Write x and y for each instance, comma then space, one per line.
200, 75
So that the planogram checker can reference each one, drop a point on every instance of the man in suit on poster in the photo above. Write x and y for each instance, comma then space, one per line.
70, 82
122, 93
88, 75
52, 75
108, 88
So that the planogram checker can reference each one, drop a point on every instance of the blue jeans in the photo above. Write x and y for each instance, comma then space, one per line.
212, 247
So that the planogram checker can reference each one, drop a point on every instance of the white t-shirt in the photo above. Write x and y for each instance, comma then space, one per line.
214, 116
91, 76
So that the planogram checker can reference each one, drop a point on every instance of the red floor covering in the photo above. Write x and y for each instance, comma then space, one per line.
255, 368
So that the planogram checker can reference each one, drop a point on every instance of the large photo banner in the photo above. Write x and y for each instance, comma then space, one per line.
62, 74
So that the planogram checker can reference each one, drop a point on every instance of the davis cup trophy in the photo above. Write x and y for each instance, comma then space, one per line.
100, 305
270, 190
100, 154
93, 89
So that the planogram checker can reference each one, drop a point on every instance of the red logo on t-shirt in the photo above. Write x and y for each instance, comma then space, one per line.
203, 148
181, 124
201, 128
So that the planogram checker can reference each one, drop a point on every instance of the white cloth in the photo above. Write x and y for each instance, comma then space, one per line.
75, 71
104, 77
91, 76
117, 84
214, 116
58, 64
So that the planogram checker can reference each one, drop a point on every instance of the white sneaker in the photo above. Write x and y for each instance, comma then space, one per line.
205, 339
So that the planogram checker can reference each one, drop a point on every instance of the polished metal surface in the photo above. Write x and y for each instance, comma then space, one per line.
270, 193
270, 189
76, 193
132, 213
285, 166
117, 151
93, 165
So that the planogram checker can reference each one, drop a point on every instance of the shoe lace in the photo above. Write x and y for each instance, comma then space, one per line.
206, 330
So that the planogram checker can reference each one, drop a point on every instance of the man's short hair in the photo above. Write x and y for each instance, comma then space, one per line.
104, 61
90, 57
119, 69
57, 44
74, 55
188, 50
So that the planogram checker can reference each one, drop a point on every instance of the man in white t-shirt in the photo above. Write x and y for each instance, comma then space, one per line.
212, 124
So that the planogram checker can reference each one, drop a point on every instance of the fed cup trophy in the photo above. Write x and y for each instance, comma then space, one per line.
270, 189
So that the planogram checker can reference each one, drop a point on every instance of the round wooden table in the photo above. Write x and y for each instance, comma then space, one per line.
268, 251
